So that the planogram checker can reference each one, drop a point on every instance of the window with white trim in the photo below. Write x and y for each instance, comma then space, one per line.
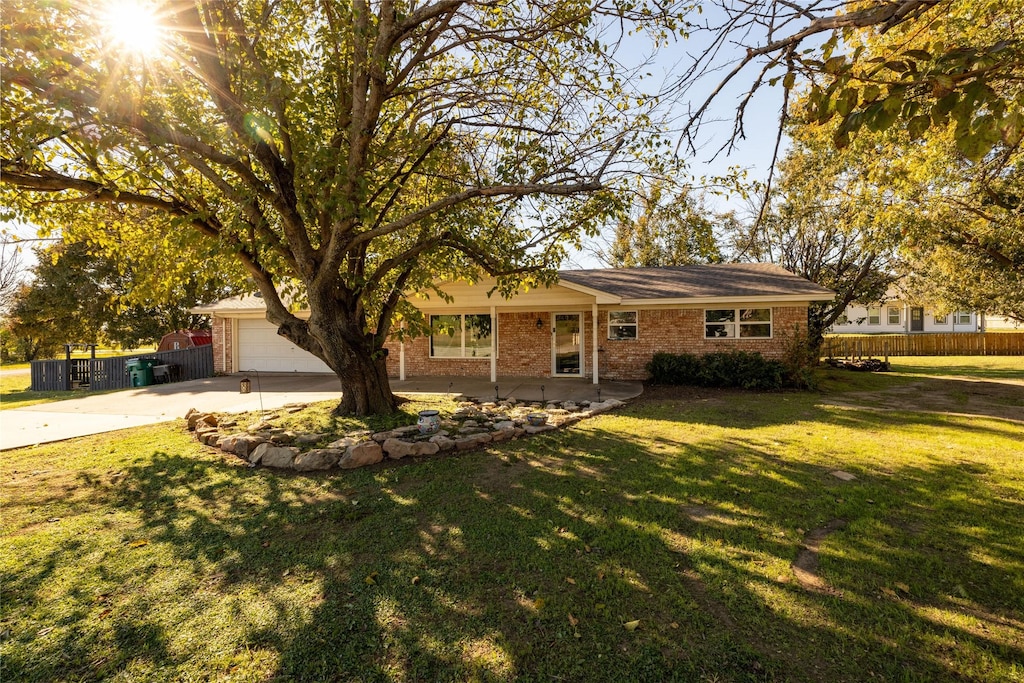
940, 319
462, 335
962, 318
894, 315
874, 315
745, 323
622, 324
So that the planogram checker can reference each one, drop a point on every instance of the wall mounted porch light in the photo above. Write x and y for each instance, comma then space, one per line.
540, 324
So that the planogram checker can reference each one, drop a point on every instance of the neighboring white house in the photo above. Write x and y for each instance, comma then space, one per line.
897, 316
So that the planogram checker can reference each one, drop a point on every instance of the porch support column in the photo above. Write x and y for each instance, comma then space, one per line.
593, 344
494, 344
401, 356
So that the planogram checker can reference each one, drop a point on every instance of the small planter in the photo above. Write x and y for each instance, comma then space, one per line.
429, 422
537, 419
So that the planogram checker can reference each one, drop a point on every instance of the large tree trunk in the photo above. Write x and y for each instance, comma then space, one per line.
339, 338
365, 389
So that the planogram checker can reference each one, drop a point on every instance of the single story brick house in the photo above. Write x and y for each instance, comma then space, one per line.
598, 324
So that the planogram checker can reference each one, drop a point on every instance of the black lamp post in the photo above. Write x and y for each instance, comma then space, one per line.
245, 387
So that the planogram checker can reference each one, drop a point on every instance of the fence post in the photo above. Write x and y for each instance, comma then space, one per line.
885, 349
67, 367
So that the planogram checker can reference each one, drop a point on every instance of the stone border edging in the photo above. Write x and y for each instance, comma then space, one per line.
471, 426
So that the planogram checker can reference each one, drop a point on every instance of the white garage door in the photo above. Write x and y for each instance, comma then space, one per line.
261, 348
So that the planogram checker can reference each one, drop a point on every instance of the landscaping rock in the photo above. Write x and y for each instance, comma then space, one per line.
282, 437
269, 455
208, 419
344, 442
245, 444
443, 442
539, 429
398, 449
318, 459
504, 424
407, 430
844, 476
193, 419
361, 454
502, 434
211, 437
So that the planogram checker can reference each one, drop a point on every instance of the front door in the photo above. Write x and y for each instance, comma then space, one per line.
917, 320
567, 346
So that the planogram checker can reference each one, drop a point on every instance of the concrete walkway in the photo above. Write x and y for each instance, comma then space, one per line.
97, 414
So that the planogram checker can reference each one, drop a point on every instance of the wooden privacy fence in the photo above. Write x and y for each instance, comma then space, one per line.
964, 344
111, 373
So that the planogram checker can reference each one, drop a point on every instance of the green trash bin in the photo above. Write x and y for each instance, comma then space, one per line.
140, 371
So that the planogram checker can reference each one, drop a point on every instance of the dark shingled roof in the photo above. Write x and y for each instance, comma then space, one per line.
731, 280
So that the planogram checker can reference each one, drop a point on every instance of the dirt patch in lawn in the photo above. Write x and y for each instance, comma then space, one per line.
947, 396
805, 567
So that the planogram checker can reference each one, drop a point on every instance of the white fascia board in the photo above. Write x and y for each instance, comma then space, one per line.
697, 301
602, 297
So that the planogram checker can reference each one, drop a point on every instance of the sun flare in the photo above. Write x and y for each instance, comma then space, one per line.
134, 26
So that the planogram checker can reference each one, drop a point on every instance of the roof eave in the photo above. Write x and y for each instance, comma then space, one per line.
602, 297
680, 301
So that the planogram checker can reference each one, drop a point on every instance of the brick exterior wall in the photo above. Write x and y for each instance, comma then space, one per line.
222, 341
682, 331
525, 351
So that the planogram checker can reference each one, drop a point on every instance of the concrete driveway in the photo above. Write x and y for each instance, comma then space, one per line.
99, 413
107, 412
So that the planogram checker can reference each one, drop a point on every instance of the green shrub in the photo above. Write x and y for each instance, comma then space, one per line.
724, 369
674, 369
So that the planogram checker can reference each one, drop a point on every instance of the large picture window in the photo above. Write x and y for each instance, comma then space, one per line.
744, 323
622, 324
460, 336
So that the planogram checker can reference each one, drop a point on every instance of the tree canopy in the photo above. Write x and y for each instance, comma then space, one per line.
667, 226
78, 294
349, 153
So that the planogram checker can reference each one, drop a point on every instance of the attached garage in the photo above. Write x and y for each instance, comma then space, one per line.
261, 348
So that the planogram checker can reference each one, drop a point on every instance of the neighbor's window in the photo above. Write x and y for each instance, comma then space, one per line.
940, 319
622, 324
738, 322
894, 315
874, 315
962, 317
460, 336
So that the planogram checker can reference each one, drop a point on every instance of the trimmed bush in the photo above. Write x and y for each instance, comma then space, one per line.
738, 369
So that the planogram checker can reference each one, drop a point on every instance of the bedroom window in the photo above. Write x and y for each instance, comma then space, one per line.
962, 318
894, 315
940, 319
622, 324
745, 323
874, 315
460, 336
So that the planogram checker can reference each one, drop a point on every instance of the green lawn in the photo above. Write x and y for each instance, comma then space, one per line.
986, 367
655, 544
